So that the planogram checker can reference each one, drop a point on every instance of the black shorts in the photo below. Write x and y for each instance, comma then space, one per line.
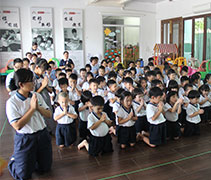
173, 129
191, 129
157, 133
142, 124
100, 145
126, 135
206, 116
83, 131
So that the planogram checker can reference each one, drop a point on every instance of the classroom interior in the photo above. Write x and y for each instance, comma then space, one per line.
135, 27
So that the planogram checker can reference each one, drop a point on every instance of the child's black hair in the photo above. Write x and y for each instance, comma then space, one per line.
42, 63
204, 87
26, 59
150, 64
68, 70
28, 53
193, 94
97, 101
119, 92
111, 82
100, 79
146, 68
128, 80
183, 79
93, 58
194, 78
83, 69
93, 80
206, 78
86, 96
131, 62
150, 73
73, 76
127, 72
155, 82
62, 74
17, 60
112, 74
89, 66
89, 74
155, 91
119, 67
104, 60
65, 52
133, 69
57, 69
158, 72
52, 62
125, 94
63, 81
137, 91
185, 69
171, 71
102, 67
173, 85
169, 94
23, 76
187, 86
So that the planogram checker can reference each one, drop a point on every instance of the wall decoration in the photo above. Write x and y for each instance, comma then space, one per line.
42, 30
10, 35
73, 35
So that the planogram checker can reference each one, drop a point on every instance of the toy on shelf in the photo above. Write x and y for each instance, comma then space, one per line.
205, 68
193, 65
8, 68
55, 60
163, 51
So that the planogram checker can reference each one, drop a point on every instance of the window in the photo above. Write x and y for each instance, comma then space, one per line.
208, 41
188, 38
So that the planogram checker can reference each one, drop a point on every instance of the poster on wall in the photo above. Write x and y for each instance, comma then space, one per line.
10, 35
42, 31
73, 35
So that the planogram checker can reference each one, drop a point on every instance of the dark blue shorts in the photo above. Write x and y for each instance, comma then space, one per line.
31, 152
191, 129
83, 131
65, 134
142, 124
126, 135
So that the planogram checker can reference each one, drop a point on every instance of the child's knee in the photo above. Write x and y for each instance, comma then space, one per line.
132, 144
123, 146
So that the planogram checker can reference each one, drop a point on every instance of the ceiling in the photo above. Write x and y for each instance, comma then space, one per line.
121, 2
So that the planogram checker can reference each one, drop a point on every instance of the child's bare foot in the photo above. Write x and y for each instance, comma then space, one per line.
132, 144
61, 146
123, 146
176, 138
145, 133
82, 144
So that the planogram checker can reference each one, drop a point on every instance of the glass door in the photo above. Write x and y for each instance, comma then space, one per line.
188, 39
208, 40
112, 42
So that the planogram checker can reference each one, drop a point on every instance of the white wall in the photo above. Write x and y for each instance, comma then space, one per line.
176, 8
93, 28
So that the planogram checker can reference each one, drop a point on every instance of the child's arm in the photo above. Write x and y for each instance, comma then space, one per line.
82, 108
160, 110
45, 112
204, 101
200, 111
108, 122
18, 125
56, 118
122, 121
179, 110
112, 100
71, 115
95, 125
44, 84
174, 109
140, 106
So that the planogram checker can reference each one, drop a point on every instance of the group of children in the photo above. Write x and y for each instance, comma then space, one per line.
133, 104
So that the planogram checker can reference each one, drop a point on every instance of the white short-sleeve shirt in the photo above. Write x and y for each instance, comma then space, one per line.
206, 104
102, 130
123, 113
115, 108
73, 95
181, 92
65, 119
8, 79
142, 111
151, 110
190, 110
83, 114
170, 116
85, 86
17, 106
110, 95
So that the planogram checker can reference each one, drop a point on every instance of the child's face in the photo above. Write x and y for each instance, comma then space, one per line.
29, 56
184, 73
34, 59
159, 77
128, 85
94, 61
57, 74
131, 65
101, 72
97, 109
93, 86
139, 97
127, 101
88, 69
83, 74
32, 67
103, 84
17, 66
68, 74
113, 87
27, 86
110, 64
63, 87
128, 75
66, 55
194, 101
143, 84
89, 77
72, 82
121, 71
205, 93
209, 80
155, 100
104, 64
172, 76
150, 78
160, 86
173, 99
138, 64
63, 101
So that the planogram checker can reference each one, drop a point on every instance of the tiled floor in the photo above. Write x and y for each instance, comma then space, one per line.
133, 163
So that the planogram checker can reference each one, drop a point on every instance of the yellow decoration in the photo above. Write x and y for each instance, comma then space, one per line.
107, 31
